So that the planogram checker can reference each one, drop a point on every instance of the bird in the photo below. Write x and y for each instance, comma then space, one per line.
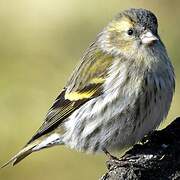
120, 91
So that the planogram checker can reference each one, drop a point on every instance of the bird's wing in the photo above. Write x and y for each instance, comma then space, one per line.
84, 84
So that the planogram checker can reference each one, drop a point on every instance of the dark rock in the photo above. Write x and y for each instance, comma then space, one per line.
156, 158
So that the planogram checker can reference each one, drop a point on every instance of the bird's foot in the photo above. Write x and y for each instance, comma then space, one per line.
112, 161
109, 155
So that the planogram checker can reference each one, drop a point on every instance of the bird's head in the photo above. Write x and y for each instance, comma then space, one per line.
131, 31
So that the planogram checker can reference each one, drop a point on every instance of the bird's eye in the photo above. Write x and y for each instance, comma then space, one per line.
130, 32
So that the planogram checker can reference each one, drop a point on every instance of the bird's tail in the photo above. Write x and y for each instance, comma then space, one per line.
21, 154
36, 145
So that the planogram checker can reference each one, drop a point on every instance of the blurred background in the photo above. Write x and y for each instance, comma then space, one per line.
40, 43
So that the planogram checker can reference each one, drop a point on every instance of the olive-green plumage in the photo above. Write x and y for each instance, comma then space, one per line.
120, 91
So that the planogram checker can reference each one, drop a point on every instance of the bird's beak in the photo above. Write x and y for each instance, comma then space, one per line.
147, 37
